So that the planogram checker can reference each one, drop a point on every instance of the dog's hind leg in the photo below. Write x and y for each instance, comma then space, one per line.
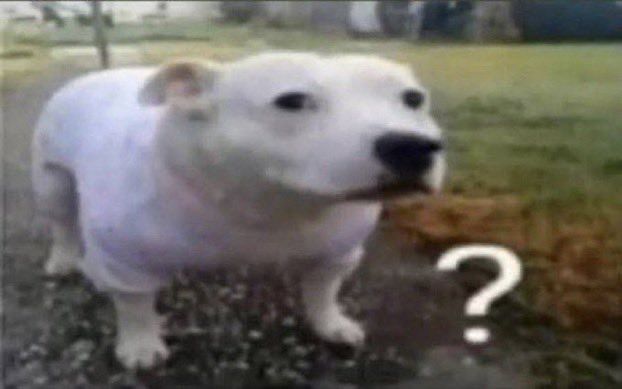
56, 200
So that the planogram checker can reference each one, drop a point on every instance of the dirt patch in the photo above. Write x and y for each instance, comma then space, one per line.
449, 220
572, 271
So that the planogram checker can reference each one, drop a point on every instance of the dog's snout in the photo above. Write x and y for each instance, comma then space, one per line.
406, 155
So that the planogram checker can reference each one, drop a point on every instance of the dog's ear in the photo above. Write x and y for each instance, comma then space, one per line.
178, 81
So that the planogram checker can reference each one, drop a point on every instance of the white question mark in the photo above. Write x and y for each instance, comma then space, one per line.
510, 273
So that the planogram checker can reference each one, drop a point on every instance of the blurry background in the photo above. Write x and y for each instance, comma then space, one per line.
529, 93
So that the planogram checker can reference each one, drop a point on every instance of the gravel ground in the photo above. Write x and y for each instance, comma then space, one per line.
242, 328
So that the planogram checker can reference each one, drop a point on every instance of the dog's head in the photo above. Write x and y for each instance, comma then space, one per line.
346, 127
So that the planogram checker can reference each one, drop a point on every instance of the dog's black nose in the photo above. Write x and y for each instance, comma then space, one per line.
405, 155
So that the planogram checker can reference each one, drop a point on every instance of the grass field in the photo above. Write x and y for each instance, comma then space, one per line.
539, 123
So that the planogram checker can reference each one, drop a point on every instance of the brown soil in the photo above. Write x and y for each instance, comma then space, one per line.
573, 269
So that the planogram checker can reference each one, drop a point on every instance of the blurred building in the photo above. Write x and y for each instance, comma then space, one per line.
557, 20
19, 10
443, 19
467, 20
137, 11
118, 11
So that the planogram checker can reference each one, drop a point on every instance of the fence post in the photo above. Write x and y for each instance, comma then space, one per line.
100, 34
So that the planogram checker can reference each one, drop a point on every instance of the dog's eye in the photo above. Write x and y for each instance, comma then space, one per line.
293, 101
413, 98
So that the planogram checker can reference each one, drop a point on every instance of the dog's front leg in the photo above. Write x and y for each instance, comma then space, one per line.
320, 288
139, 341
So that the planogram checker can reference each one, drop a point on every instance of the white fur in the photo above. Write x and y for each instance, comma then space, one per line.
156, 192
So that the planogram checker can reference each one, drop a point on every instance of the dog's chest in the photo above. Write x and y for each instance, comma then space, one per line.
170, 232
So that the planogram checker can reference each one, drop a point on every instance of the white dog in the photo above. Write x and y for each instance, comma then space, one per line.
278, 157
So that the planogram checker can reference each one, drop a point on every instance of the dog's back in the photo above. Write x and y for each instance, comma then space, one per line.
90, 107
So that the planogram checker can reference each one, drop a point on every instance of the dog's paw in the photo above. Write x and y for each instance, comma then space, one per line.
141, 352
61, 263
341, 329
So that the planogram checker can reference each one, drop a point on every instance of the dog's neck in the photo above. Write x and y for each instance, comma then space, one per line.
186, 168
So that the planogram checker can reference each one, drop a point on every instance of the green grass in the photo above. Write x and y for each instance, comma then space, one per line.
539, 121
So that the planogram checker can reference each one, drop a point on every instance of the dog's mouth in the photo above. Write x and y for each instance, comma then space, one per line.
387, 191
